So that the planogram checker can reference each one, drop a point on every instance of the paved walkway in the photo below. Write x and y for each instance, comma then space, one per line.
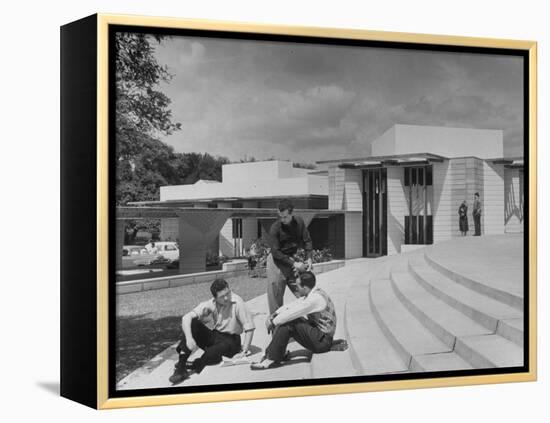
336, 283
494, 260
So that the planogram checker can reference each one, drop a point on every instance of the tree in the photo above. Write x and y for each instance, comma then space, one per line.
143, 163
142, 113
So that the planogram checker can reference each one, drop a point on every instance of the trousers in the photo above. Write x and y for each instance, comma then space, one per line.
214, 344
303, 332
276, 284
477, 224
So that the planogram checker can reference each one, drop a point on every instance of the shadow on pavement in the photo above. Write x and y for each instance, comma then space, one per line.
140, 338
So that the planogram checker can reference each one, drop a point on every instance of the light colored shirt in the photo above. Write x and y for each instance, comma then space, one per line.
301, 307
232, 318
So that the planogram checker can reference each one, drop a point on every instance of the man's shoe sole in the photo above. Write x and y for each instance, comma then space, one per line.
177, 379
255, 366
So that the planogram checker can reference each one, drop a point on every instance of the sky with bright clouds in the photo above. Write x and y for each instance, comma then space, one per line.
305, 102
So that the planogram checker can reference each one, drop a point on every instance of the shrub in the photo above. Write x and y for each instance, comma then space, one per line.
317, 256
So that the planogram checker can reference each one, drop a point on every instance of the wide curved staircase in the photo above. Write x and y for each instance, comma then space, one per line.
423, 315
457, 305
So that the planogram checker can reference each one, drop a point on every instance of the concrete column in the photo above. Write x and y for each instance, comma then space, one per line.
397, 209
353, 226
197, 231
169, 229
443, 210
250, 226
227, 244
492, 199
120, 227
266, 226
307, 217
513, 213
336, 183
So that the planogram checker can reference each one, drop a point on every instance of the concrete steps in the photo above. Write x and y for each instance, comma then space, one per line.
399, 314
443, 321
483, 309
504, 296
419, 348
486, 351
370, 350
420, 319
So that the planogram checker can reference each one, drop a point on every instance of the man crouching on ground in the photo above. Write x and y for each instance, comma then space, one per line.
230, 316
314, 333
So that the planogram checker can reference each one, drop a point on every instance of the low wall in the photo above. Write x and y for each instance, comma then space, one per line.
194, 278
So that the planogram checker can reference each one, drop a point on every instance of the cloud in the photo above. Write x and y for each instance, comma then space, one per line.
301, 100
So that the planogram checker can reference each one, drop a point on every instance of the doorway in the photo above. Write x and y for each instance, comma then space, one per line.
375, 240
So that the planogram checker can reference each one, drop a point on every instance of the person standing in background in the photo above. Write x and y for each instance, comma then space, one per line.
477, 214
463, 218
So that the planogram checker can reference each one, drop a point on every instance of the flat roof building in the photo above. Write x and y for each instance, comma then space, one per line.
405, 194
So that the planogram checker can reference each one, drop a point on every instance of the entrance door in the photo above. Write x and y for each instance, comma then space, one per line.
375, 242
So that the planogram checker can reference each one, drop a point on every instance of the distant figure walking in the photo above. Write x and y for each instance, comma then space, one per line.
476, 213
463, 218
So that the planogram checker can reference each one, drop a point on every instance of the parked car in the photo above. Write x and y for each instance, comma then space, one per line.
164, 253
133, 250
168, 250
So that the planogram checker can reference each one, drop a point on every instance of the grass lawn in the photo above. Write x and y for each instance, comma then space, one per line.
149, 322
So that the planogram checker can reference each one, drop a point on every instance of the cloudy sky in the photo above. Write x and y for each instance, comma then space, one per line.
313, 102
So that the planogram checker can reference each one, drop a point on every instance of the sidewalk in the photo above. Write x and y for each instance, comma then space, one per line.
444, 307
336, 283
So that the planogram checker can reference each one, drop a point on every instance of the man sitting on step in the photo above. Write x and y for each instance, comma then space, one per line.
310, 320
230, 316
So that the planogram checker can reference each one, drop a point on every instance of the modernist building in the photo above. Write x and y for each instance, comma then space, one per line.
410, 188
406, 193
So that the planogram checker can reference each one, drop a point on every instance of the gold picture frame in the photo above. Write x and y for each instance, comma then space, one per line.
87, 42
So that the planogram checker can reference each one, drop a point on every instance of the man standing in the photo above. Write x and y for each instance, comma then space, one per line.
230, 316
287, 234
477, 214
314, 333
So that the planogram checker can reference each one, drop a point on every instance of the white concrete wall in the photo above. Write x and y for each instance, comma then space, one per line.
353, 225
169, 230
493, 199
226, 239
335, 188
260, 171
353, 186
345, 189
446, 142
226, 234
442, 209
397, 209
385, 144
249, 188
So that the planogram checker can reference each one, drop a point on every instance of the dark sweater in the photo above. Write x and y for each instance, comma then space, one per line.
285, 241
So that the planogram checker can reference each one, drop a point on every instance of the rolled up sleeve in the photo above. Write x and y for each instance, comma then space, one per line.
203, 310
244, 316
299, 308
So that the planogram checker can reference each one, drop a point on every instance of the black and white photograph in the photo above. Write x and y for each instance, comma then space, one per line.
304, 211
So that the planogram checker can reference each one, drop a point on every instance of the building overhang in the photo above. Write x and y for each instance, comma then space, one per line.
125, 213
415, 159
508, 162
190, 201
